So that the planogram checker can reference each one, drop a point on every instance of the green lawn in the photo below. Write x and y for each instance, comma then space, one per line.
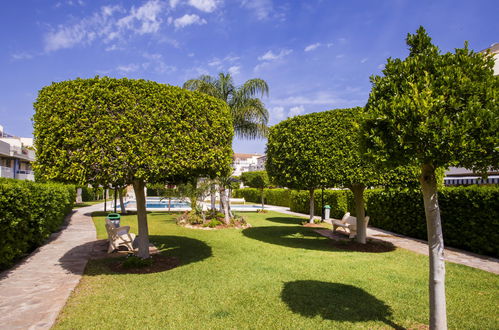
76, 206
276, 275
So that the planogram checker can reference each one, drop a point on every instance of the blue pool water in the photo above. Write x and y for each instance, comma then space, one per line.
157, 203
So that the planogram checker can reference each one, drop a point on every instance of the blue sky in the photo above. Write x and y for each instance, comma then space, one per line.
315, 55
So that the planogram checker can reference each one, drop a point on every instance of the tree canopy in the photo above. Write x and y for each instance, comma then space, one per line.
435, 108
123, 131
297, 154
323, 149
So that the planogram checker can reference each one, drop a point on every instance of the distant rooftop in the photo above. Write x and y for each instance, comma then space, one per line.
245, 156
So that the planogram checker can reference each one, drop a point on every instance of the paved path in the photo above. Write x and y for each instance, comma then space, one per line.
33, 293
488, 264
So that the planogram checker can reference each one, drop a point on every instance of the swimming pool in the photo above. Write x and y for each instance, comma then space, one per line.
158, 203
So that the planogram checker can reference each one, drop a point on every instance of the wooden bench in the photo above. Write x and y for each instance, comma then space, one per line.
120, 236
348, 224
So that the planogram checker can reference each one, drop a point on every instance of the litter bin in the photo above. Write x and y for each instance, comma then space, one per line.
327, 212
114, 218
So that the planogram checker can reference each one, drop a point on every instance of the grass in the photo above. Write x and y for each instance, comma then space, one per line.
77, 206
275, 275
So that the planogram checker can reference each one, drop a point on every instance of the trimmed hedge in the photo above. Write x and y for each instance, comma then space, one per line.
29, 213
89, 194
470, 216
339, 200
279, 197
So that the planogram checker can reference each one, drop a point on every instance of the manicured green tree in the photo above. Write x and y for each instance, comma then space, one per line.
296, 157
435, 110
104, 131
257, 179
348, 168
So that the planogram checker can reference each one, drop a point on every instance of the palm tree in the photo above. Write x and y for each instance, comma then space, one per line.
248, 112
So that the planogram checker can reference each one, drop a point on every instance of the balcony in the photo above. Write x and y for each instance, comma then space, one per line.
6, 172
25, 175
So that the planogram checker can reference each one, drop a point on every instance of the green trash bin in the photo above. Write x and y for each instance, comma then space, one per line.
115, 219
327, 212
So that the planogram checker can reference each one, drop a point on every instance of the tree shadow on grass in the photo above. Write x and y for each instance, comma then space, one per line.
290, 236
287, 220
307, 238
182, 250
335, 301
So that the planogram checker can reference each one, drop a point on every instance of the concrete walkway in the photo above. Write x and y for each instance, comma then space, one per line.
488, 264
33, 293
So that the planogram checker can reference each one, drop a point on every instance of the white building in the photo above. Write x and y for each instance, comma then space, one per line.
16, 156
494, 49
245, 163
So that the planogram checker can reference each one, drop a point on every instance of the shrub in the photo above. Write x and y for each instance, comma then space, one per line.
251, 195
136, 262
29, 213
279, 197
470, 216
89, 194
340, 201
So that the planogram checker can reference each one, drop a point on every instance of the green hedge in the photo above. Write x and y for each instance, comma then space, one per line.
470, 216
29, 213
339, 200
279, 197
89, 194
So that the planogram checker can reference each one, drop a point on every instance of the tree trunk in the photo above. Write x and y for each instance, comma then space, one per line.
312, 204
223, 200
263, 202
115, 198
143, 239
193, 195
228, 203
358, 194
122, 204
213, 196
105, 200
438, 314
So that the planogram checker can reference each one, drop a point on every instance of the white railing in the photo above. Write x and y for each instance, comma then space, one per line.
25, 175
6, 172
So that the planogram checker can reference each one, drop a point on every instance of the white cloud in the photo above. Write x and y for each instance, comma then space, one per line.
312, 47
22, 56
215, 62
340, 55
174, 3
234, 70
319, 98
277, 113
229, 60
204, 5
144, 19
261, 8
107, 26
187, 20
128, 68
295, 111
364, 60
270, 56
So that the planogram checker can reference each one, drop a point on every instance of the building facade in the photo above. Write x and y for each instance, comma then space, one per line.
16, 157
246, 163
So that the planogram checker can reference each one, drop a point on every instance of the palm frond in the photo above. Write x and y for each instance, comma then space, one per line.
253, 87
